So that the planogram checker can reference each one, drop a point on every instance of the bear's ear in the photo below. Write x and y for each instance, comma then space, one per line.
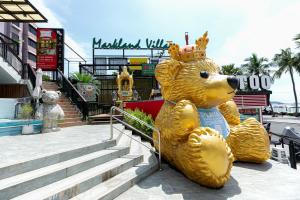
166, 71
44, 91
59, 93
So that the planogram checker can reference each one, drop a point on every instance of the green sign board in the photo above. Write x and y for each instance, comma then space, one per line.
120, 44
148, 69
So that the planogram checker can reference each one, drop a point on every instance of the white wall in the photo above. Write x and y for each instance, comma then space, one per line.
7, 108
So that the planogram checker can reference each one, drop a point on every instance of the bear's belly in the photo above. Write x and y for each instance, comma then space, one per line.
51, 112
214, 119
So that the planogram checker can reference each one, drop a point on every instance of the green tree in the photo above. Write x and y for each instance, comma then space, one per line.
256, 66
231, 70
297, 40
286, 61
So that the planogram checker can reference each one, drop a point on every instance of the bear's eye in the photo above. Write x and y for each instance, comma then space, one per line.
204, 74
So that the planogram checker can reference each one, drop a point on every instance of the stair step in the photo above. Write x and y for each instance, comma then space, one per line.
69, 109
68, 124
63, 100
118, 184
66, 105
39, 162
71, 119
20, 184
72, 115
136, 146
124, 139
71, 112
83, 181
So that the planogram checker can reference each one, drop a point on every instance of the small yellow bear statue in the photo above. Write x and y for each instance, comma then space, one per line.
201, 133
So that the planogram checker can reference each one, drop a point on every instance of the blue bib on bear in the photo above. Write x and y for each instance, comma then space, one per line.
214, 119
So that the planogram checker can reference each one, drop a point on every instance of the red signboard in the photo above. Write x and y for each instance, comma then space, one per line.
250, 100
50, 48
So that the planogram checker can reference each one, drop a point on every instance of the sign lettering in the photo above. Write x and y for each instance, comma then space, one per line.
255, 82
119, 44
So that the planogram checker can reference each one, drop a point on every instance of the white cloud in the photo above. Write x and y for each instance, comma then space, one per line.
266, 31
55, 22
267, 26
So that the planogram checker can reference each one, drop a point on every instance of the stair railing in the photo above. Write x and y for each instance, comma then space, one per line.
14, 45
114, 108
68, 88
31, 74
9, 55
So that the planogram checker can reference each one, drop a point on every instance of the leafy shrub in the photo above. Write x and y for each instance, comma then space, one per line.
45, 78
27, 111
82, 78
142, 116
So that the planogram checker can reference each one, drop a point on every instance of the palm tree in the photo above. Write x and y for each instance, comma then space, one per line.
231, 70
286, 61
256, 65
297, 40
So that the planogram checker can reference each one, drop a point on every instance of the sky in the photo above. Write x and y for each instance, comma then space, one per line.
236, 28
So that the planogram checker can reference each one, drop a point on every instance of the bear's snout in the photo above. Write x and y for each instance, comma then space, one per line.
233, 82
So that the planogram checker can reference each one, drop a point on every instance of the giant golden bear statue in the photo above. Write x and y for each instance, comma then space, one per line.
201, 133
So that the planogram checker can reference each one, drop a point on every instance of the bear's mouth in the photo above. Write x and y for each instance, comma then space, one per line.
231, 92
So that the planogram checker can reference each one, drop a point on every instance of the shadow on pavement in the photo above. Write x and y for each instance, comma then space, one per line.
255, 166
171, 182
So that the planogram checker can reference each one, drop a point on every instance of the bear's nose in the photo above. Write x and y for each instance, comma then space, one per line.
233, 82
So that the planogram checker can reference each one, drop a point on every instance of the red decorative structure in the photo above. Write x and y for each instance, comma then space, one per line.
149, 107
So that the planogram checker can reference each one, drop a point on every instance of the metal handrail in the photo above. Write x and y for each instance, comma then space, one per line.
291, 143
73, 94
114, 108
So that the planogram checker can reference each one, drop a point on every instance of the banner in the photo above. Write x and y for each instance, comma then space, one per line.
137, 61
148, 69
50, 49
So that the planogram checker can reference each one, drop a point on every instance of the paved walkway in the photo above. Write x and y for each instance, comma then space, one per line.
271, 180
14, 149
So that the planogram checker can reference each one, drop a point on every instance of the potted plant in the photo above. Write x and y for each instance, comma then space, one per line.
86, 85
26, 113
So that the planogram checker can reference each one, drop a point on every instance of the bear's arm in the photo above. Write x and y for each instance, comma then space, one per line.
230, 112
61, 113
184, 117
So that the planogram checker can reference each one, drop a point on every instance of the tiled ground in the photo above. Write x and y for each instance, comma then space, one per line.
23, 147
271, 180
248, 182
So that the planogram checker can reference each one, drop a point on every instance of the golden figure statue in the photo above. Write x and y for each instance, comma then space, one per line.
125, 84
201, 133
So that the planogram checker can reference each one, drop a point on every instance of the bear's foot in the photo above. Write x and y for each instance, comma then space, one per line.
249, 141
205, 158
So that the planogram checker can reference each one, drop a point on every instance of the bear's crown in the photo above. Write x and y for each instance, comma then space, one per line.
189, 52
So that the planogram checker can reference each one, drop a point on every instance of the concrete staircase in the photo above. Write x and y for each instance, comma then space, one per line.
8, 75
101, 171
72, 116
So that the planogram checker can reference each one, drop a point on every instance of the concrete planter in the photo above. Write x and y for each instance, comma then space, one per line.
27, 129
87, 90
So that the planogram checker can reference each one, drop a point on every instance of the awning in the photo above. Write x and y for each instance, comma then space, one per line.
19, 11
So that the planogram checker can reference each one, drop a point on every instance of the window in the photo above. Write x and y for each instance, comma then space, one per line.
32, 29
31, 57
15, 36
32, 43
16, 24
